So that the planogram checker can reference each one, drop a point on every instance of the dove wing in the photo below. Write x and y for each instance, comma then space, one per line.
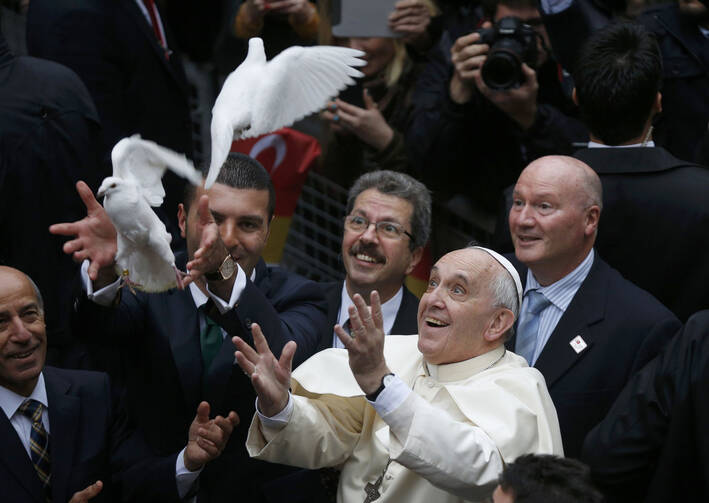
145, 162
300, 81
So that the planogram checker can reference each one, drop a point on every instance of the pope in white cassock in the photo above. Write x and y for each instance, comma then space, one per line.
427, 419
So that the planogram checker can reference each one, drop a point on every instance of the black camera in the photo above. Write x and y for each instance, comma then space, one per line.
511, 43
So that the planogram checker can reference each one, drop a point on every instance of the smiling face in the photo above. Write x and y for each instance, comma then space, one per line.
375, 262
23, 341
552, 222
457, 316
242, 217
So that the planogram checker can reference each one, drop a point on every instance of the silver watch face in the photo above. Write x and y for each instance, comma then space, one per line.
387, 379
227, 268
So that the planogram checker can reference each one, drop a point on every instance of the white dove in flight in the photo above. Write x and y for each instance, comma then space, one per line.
144, 257
259, 97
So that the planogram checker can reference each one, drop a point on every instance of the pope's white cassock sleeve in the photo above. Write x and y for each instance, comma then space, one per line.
448, 438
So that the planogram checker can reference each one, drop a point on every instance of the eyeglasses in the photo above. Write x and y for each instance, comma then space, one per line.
389, 230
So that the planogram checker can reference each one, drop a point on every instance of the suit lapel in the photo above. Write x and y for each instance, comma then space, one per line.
406, 316
586, 308
16, 461
181, 327
147, 30
63, 422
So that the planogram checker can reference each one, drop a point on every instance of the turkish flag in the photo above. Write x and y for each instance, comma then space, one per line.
287, 155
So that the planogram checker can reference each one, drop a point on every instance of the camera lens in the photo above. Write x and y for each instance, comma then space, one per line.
502, 70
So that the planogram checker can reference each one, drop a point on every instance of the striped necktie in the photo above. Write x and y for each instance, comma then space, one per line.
39, 444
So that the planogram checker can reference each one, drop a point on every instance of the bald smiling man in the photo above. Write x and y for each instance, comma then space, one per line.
582, 325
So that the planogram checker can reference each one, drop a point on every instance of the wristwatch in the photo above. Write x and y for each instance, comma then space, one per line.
224, 271
372, 397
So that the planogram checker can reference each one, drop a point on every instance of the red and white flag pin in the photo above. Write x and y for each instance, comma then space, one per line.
578, 344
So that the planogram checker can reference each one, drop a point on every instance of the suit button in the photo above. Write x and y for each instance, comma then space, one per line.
247, 322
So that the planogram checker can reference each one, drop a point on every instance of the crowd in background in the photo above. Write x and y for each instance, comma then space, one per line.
607, 100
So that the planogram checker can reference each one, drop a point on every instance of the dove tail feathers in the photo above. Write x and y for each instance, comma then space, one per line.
222, 136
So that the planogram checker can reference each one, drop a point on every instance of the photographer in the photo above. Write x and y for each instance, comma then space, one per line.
466, 134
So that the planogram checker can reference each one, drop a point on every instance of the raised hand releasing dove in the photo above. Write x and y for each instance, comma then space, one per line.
259, 97
144, 257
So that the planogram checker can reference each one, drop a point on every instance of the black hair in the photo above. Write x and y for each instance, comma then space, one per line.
240, 171
618, 74
543, 478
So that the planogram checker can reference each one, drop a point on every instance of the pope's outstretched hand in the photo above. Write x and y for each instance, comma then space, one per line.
270, 377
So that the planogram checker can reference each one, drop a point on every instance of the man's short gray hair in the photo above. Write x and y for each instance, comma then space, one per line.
504, 294
403, 186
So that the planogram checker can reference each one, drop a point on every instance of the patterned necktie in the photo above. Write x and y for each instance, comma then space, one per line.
528, 331
210, 340
39, 443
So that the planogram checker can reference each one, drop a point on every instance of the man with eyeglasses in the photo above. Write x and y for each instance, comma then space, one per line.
387, 225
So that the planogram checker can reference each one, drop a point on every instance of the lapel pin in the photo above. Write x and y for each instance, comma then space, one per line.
578, 344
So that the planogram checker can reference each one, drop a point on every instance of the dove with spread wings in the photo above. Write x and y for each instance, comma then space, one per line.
259, 96
144, 257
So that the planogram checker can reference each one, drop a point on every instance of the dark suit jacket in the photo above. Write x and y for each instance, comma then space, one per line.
685, 66
655, 223
652, 446
405, 323
49, 138
112, 47
158, 338
89, 441
623, 326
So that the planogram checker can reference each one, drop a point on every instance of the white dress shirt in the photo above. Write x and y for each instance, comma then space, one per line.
593, 144
389, 311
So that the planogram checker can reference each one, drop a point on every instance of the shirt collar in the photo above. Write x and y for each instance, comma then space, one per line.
593, 144
389, 308
557, 292
200, 298
452, 372
11, 401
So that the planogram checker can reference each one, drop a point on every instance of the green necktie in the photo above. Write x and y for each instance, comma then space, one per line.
210, 340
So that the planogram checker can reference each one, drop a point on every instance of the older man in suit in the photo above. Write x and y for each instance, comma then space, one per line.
583, 325
183, 353
62, 433
387, 225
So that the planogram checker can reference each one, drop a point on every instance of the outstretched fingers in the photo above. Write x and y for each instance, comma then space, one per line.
246, 357
286, 360
260, 342
87, 197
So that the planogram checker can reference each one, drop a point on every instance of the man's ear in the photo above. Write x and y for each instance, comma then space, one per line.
574, 98
501, 322
415, 259
181, 218
657, 106
593, 215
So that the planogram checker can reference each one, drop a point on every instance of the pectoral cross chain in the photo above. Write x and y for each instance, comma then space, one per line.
372, 490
